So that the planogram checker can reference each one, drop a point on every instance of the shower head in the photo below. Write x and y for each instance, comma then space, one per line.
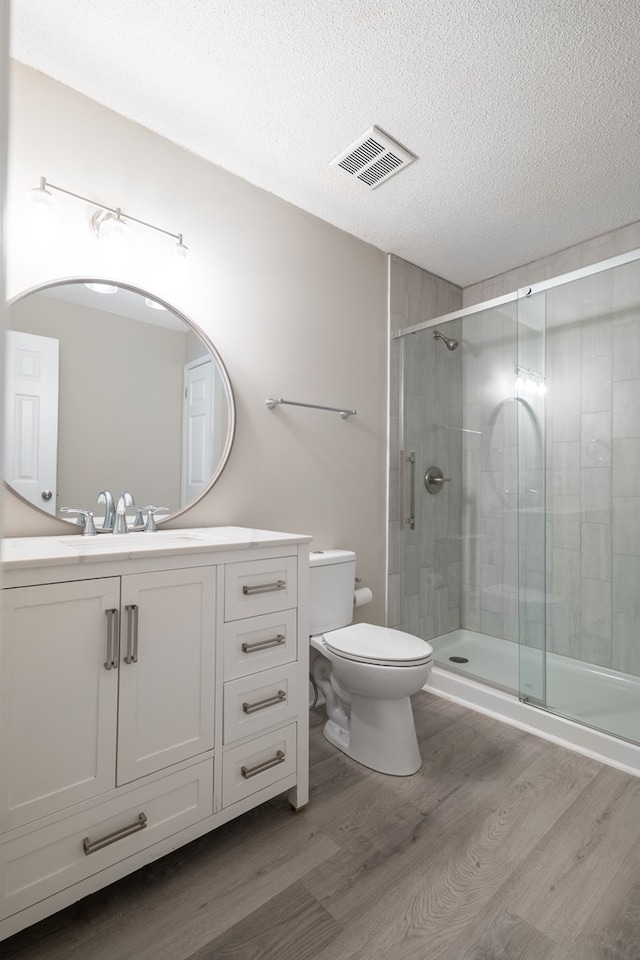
449, 343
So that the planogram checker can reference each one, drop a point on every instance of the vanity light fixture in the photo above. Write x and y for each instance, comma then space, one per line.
108, 223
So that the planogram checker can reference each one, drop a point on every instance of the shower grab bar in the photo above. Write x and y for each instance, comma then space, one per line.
411, 519
344, 413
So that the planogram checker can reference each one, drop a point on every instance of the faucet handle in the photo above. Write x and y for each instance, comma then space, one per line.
85, 519
151, 526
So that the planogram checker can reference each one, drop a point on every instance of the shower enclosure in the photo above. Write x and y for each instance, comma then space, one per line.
520, 493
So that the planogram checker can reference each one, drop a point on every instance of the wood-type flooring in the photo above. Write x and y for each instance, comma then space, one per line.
503, 847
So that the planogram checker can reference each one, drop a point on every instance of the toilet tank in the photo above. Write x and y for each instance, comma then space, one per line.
332, 575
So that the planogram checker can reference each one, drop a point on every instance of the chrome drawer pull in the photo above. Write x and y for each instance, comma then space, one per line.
264, 587
248, 772
263, 644
90, 846
280, 697
132, 633
112, 640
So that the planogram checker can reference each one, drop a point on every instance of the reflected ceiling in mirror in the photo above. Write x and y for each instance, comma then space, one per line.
107, 387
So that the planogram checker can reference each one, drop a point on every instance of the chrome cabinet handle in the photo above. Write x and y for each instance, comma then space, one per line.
112, 639
280, 697
263, 644
132, 633
264, 588
91, 846
248, 772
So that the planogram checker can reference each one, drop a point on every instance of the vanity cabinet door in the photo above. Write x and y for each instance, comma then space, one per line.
167, 646
58, 698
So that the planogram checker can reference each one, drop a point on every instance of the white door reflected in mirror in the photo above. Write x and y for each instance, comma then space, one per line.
31, 417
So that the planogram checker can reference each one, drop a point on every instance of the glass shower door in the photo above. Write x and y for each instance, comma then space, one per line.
529, 394
431, 418
459, 552
593, 505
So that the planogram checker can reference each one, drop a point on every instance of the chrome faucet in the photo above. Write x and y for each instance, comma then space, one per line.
124, 500
85, 519
106, 497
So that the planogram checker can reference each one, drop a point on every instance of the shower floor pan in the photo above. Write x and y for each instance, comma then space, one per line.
589, 708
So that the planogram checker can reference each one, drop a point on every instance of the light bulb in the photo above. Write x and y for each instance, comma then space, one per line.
153, 304
542, 389
41, 202
101, 287
519, 384
530, 385
41, 198
113, 229
180, 251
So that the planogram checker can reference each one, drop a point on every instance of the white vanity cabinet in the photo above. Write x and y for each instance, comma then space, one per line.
167, 666
104, 681
58, 703
150, 690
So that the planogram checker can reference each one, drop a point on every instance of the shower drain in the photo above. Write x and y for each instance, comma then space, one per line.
459, 659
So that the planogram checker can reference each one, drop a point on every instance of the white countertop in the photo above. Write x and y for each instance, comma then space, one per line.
18, 552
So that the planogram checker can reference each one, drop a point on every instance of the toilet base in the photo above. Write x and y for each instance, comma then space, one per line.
382, 736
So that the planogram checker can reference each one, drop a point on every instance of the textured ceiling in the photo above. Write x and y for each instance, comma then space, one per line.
524, 113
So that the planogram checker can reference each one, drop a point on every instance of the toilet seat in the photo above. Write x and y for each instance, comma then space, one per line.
382, 646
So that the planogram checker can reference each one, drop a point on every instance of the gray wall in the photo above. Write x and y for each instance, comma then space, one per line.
296, 308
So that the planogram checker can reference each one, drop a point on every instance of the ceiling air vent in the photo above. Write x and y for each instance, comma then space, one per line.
373, 158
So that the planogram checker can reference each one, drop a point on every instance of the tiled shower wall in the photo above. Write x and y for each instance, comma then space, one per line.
414, 296
572, 258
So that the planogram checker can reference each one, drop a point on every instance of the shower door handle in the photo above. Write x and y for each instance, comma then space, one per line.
411, 519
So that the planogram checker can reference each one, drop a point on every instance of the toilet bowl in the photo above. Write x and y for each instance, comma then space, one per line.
366, 673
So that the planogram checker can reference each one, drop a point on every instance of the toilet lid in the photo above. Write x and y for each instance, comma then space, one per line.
371, 644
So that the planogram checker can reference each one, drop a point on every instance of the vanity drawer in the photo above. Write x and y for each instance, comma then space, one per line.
255, 765
261, 700
260, 586
48, 860
259, 643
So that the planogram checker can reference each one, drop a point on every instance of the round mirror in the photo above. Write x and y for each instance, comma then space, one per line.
108, 388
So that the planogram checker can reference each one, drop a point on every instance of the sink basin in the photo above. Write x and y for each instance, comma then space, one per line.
129, 542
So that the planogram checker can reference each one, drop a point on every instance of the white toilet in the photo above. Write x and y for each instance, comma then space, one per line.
366, 673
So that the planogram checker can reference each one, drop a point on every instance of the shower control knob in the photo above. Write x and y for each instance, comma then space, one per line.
434, 480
